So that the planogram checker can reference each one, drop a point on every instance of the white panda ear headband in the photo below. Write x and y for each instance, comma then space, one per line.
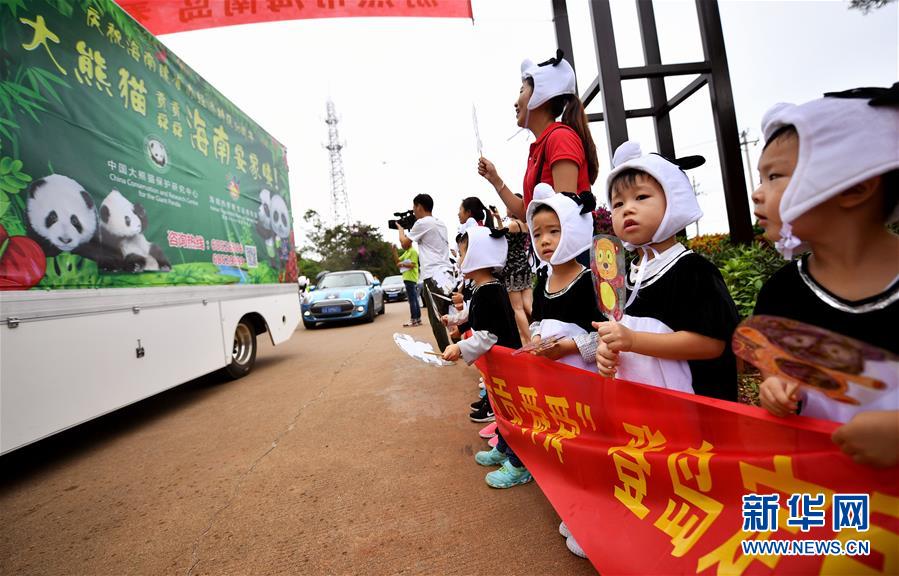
681, 206
575, 212
845, 138
487, 248
551, 78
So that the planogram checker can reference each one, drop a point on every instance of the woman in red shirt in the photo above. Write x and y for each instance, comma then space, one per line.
564, 155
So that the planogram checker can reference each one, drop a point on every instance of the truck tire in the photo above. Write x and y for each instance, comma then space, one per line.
370, 317
243, 353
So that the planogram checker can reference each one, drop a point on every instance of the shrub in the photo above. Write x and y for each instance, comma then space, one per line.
745, 268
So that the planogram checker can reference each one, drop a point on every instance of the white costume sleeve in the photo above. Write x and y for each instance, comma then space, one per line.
477, 345
587, 345
457, 317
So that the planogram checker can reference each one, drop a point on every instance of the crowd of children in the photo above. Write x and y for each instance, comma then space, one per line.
829, 188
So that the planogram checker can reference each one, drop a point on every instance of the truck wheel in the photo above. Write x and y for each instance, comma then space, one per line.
370, 317
243, 354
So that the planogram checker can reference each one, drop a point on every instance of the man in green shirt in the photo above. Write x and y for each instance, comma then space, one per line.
407, 261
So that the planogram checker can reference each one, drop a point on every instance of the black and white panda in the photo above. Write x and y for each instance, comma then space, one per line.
281, 225
62, 216
264, 217
121, 227
158, 152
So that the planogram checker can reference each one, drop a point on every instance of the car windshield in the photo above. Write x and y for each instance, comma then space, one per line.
391, 280
343, 281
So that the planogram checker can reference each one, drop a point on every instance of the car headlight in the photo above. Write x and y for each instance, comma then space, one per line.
360, 295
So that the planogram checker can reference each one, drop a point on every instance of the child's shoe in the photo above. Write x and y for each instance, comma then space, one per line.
493, 442
490, 457
574, 547
488, 431
564, 531
483, 414
476, 405
481, 382
508, 476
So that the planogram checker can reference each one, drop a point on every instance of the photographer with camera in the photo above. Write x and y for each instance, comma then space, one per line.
433, 252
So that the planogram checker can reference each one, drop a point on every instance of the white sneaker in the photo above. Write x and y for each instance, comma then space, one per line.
481, 382
574, 547
564, 531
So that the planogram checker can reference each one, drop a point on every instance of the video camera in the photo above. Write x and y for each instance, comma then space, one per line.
405, 219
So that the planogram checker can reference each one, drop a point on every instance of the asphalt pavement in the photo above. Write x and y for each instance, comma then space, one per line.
338, 454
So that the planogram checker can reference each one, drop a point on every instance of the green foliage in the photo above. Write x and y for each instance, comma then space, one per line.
342, 247
867, 5
70, 271
745, 268
308, 268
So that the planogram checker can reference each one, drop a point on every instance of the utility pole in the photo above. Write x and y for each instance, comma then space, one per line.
744, 144
340, 206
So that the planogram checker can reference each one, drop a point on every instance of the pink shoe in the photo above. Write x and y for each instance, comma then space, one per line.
488, 431
493, 442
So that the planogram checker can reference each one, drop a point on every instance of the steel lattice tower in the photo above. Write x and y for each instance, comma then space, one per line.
340, 206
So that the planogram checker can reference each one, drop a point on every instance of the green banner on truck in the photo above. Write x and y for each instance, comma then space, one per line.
120, 166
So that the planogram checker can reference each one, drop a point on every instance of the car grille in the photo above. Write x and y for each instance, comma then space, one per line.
319, 307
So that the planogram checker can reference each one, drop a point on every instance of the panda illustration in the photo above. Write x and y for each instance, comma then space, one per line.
157, 152
121, 227
62, 216
281, 226
264, 220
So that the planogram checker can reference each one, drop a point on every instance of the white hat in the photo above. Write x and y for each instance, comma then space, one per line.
681, 207
575, 214
844, 139
486, 248
551, 78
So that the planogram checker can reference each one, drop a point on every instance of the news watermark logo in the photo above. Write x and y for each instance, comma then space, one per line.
761, 513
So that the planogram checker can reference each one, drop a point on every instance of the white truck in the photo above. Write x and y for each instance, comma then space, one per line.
145, 223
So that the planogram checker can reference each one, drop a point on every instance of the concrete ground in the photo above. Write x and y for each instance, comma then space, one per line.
338, 454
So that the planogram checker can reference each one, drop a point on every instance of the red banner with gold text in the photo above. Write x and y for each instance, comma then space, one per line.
651, 481
167, 16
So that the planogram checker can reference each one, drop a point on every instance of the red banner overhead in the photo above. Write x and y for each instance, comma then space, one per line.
657, 482
167, 16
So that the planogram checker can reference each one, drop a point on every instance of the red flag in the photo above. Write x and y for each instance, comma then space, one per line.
651, 481
167, 16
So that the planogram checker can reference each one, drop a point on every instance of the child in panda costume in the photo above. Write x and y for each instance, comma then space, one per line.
561, 228
679, 316
829, 188
483, 254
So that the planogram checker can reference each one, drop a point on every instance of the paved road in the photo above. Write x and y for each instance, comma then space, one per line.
337, 455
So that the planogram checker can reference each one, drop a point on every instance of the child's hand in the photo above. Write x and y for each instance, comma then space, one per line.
452, 352
617, 336
457, 299
779, 396
558, 350
454, 333
871, 438
606, 360
444, 319
459, 307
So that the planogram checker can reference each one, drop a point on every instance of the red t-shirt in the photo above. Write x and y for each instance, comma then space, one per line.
558, 142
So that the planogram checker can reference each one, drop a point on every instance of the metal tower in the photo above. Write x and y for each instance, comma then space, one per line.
340, 206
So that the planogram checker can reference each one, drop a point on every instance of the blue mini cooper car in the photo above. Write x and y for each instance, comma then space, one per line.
348, 295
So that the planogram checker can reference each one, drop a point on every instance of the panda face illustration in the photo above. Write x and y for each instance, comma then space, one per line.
265, 209
61, 212
157, 152
280, 217
120, 218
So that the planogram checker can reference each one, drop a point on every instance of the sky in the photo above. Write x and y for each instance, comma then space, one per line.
404, 89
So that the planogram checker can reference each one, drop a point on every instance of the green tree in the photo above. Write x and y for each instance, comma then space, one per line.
348, 247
